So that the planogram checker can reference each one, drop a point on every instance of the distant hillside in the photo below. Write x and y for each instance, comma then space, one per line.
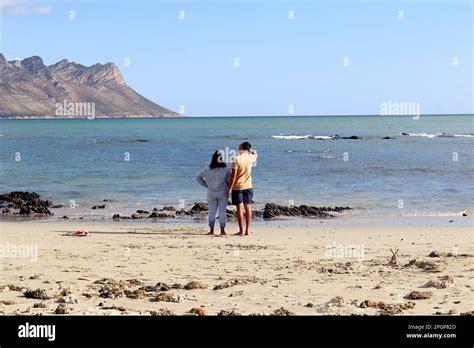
28, 88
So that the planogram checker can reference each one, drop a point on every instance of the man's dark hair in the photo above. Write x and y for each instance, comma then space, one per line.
246, 146
217, 161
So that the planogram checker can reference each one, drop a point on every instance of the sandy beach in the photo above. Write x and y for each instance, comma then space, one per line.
322, 268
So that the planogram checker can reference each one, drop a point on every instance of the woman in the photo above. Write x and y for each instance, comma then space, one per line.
215, 177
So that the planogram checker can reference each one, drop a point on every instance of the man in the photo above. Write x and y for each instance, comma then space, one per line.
240, 187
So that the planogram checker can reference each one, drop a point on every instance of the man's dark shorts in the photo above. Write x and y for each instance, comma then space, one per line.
242, 196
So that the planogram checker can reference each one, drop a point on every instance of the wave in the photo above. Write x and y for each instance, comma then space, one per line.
298, 137
438, 135
336, 137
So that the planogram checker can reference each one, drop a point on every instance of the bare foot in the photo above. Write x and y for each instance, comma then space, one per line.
239, 233
211, 233
223, 232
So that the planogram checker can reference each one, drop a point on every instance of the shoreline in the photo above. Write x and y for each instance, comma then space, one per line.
341, 220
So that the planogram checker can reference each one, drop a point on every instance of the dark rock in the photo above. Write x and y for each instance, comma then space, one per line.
107, 200
139, 211
118, 217
65, 217
6, 211
57, 206
169, 208
61, 309
136, 216
156, 215
257, 214
387, 138
272, 210
38, 294
27, 202
103, 206
405, 134
464, 214
199, 207
351, 137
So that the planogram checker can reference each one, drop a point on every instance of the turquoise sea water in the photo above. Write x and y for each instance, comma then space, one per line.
85, 161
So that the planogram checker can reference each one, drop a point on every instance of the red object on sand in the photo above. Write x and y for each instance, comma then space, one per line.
81, 233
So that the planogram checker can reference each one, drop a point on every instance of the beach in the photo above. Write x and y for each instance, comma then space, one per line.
303, 267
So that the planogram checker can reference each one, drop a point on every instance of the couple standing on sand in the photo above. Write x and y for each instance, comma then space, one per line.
222, 182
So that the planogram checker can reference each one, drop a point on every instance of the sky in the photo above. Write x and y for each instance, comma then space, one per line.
262, 57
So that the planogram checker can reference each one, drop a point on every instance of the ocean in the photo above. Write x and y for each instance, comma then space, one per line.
146, 163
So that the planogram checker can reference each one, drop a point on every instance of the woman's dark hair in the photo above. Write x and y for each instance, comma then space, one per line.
217, 161
246, 146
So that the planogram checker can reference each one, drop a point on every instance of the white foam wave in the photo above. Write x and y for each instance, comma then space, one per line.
438, 135
299, 137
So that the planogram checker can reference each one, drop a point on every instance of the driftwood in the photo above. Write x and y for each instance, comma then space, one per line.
393, 259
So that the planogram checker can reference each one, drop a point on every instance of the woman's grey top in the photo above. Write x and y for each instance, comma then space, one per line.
216, 179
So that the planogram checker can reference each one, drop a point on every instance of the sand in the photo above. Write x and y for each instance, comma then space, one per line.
317, 269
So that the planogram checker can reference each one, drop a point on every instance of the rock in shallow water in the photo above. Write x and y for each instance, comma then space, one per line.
28, 203
272, 210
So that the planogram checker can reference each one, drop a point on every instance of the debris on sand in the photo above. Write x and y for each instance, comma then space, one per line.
338, 268
169, 297
135, 294
282, 312
236, 293
155, 288
379, 285
447, 278
393, 259
195, 285
114, 307
7, 302
438, 284
419, 295
11, 287
428, 266
469, 314
39, 305
371, 304
134, 282
162, 312
35, 277
386, 308
71, 298
38, 294
258, 314
61, 309
393, 309
111, 288
177, 286
228, 313
434, 254
198, 311
337, 301
237, 281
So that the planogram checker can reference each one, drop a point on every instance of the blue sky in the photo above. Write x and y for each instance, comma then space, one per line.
283, 62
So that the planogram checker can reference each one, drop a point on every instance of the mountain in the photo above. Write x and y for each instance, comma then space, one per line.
29, 88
